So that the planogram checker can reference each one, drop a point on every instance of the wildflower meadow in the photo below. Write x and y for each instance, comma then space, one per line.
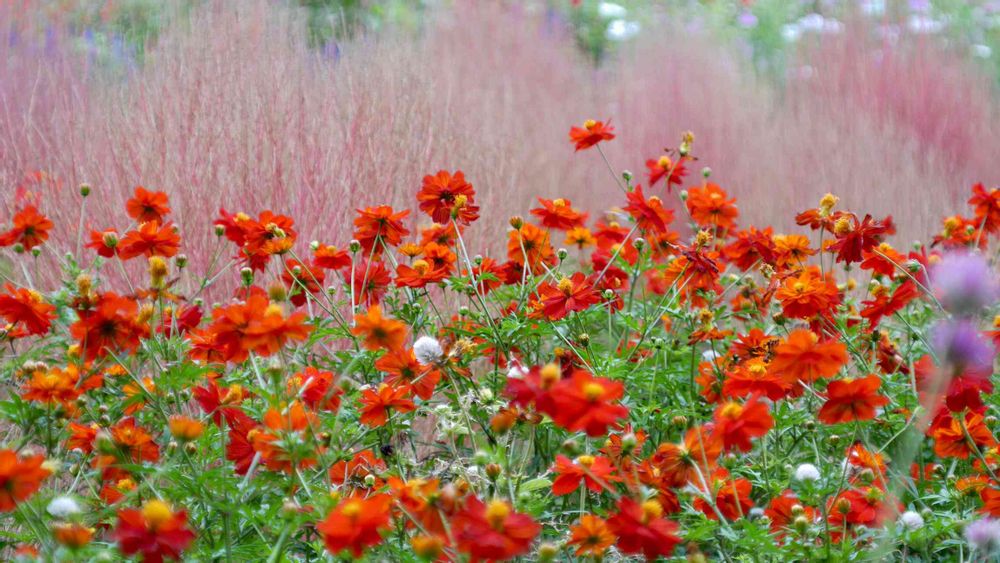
318, 367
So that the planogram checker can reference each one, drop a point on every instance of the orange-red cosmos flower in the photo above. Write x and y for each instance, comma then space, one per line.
150, 239
146, 206
379, 224
316, 388
751, 247
807, 294
331, 258
949, 433
302, 280
853, 238
155, 532
710, 207
402, 368
591, 133
530, 246
369, 282
559, 214
105, 243
185, 428
586, 403
781, 511
376, 404
690, 274
356, 524
665, 167
56, 386
260, 238
72, 535
866, 506
649, 214
754, 378
555, 301
353, 472
679, 465
132, 442
737, 424
596, 472
25, 308
641, 528
255, 325
283, 428
112, 324
20, 477
986, 205
221, 404
419, 274
379, 332
791, 250
731, 496
803, 358
492, 531
590, 536
445, 194
30, 229
852, 399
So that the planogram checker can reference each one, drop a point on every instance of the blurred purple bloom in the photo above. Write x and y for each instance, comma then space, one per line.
746, 19
984, 534
961, 346
964, 283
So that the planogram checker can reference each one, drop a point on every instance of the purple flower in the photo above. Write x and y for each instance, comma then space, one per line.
984, 534
964, 283
962, 348
746, 19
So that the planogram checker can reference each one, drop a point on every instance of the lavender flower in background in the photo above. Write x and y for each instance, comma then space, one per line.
961, 348
984, 535
746, 19
964, 283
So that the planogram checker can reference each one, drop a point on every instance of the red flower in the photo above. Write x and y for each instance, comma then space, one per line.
331, 258
586, 403
146, 206
710, 207
112, 324
316, 388
254, 325
559, 214
20, 477
30, 229
403, 368
156, 532
641, 528
494, 531
751, 247
258, 239
379, 224
356, 524
377, 331
595, 472
986, 205
731, 496
661, 167
803, 358
27, 308
593, 132
444, 194
854, 238
105, 243
369, 282
150, 239
353, 472
375, 405
852, 399
736, 424
807, 294
570, 295
648, 214
302, 279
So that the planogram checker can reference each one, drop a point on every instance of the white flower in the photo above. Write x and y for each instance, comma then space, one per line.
63, 507
709, 355
791, 32
610, 10
982, 51
911, 520
924, 24
806, 472
620, 30
428, 350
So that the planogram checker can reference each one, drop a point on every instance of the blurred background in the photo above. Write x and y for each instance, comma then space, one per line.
316, 107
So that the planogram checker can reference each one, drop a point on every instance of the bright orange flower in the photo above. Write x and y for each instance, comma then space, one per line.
590, 536
736, 424
709, 207
370, 281
146, 206
803, 358
580, 237
530, 246
493, 531
574, 294
284, 428
649, 214
586, 403
641, 528
679, 464
593, 132
665, 167
731, 496
754, 378
559, 214
596, 472
25, 307
54, 386
690, 274
949, 433
751, 247
377, 331
316, 388
353, 472
444, 194
30, 229
419, 274
255, 325
151, 239
185, 428
258, 239
403, 368
132, 442
807, 294
866, 506
986, 204
790, 251
852, 399
20, 477
71, 535
356, 524
105, 243
302, 279
156, 532
375, 405
379, 224
112, 324
331, 258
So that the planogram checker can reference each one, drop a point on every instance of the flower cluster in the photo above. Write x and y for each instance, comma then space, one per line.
668, 383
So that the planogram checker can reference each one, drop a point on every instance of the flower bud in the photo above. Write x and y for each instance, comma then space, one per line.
247, 275
85, 189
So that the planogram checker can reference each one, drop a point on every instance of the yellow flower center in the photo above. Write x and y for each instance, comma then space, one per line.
156, 512
731, 410
496, 514
352, 508
589, 124
421, 266
593, 391
559, 202
549, 375
566, 286
665, 162
585, 460
651, 510
842, 226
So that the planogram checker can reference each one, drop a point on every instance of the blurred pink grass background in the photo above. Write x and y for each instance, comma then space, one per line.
233, 110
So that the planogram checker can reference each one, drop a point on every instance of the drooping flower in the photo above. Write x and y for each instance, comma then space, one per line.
593, 132
356, 524
986, 205
729, 495
155, 532
530, 248
853, 238
649, 214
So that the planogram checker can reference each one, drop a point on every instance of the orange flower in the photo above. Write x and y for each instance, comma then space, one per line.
986, 204
20, 477
751, 247
641, 528
260, 238
356, 524
369, 282
132, 442
559, 214
444, 194
353, 472
156, 531
375, 405
255, 325
679, 465
316, 388
403, 368
580, 237
803, 358
791, 250
754, 378
301, 279
331, 258
736, 424
949, 433
591, 536
709, 207
731, 496
185, 428
378, 331
661, 167
593, 132
807, 294
649, 214
585, 403
494, 531
570, 295
73, 536
26, 307
54, 386
146, 206
30, 229
150, 239
530, 246
284, 429
419, 274
852, 399
112, 324
379, 224
595, 472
